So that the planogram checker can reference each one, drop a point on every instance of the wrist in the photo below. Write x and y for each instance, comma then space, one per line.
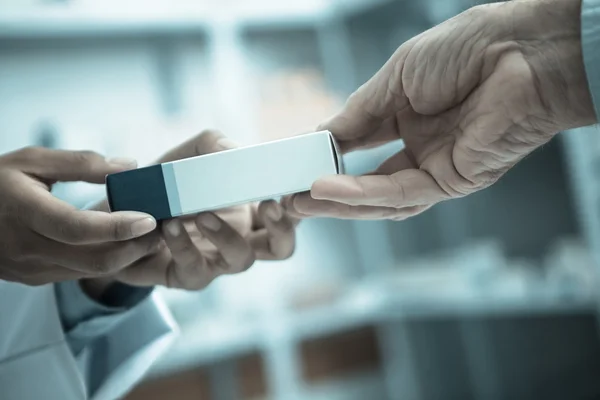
548, 34
96, 288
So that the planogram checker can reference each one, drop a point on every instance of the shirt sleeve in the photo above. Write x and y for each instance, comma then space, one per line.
115, 345
85, 320
590, 39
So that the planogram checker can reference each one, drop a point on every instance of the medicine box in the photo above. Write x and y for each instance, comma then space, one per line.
219, 180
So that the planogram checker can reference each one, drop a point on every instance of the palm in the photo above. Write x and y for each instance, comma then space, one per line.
467, 136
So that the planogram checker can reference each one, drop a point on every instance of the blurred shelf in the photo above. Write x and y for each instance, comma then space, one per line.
368, 385
350, 8
212, 341
71, 22
67, 23
367, 304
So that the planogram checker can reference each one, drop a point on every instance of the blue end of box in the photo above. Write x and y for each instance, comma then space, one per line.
140, 190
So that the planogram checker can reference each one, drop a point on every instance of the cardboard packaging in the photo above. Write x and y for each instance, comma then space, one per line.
226, 179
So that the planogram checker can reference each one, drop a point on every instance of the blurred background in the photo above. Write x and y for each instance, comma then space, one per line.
489, 297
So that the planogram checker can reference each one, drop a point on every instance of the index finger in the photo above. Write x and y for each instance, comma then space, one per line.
277, 240
209, 141
369, 107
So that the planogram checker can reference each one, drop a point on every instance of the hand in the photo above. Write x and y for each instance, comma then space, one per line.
470, 98
193, 258
196, 250
45, 240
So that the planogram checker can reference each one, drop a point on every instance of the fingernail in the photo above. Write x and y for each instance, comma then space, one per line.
274, 212
288, 203
209, 221
227, 144
143, 226
122, 162
174, 228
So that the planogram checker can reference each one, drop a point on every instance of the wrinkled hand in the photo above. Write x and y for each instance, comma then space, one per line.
197, 249
470, 98
45, 240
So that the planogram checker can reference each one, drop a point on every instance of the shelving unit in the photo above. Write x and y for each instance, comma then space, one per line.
582, 147
366, 304
216, 341
71, 21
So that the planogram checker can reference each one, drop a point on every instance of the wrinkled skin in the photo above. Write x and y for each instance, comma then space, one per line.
470, 98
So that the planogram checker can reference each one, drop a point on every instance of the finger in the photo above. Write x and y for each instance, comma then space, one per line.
151, 270
373, 103
189, 269
378, 136
180, 244
396, 163
277, 240
159, 269
234, 253
98, 260
57, 220
68, 166
329, 209
36, 274
209, 141
406, 188
287, 203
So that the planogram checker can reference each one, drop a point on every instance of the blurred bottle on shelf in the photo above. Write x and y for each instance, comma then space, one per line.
570, 269
294, 102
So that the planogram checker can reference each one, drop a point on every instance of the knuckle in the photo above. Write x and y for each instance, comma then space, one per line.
83, 160
399, 199
210, 134
248, 262
30, 152
290, 252
104, 263
207, 139
119, 229
73, 230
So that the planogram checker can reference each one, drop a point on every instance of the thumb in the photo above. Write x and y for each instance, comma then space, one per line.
370, 106
68, 166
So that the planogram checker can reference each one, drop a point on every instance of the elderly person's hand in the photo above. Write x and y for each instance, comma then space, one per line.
470, 98
195, 250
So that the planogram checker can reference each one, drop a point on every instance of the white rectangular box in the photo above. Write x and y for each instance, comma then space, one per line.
226, 179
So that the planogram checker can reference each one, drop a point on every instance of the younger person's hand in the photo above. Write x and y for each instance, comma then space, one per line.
44, 239
195, 250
